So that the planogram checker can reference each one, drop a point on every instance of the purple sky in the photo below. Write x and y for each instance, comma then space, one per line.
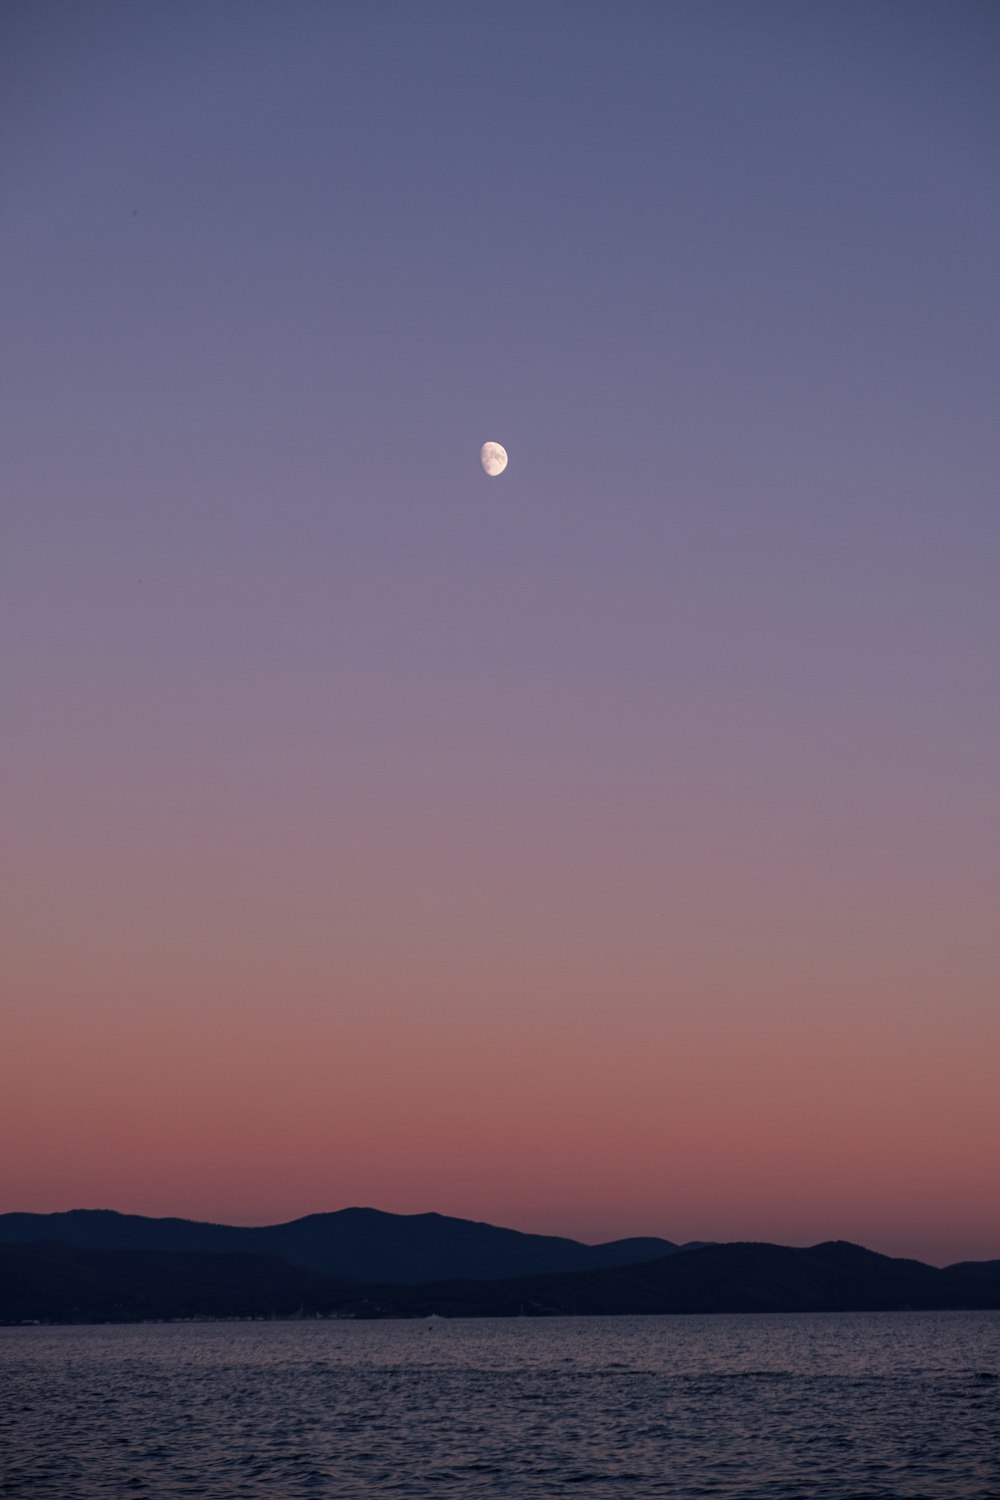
701, 696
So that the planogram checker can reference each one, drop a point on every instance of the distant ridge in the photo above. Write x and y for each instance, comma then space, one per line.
353, 1244
726, 1278
56, 1283
51, 1282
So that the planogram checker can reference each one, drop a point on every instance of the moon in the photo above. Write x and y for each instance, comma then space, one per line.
493, 458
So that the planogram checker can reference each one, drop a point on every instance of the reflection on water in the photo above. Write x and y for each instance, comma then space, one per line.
869, 1405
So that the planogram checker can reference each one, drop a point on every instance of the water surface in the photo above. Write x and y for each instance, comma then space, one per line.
867, 1406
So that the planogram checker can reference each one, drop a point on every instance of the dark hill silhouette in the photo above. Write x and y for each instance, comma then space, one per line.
733, 1278
967, 1277
62, 1283
359, 1244
65, 1284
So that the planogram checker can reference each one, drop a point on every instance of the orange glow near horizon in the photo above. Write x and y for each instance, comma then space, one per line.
598, 1090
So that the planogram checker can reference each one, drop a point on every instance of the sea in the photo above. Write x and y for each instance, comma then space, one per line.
890, 1406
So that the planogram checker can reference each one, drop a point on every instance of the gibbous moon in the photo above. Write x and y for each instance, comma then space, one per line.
493, 458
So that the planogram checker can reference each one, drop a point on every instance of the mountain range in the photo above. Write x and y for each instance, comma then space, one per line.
99, 1266
354, 1244
46, 1281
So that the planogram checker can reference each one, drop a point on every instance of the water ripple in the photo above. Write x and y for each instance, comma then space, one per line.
872, 1407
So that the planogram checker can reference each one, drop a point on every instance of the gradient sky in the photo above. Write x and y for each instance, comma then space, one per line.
608, 848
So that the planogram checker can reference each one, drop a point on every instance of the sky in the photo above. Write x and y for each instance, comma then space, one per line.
610, 847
